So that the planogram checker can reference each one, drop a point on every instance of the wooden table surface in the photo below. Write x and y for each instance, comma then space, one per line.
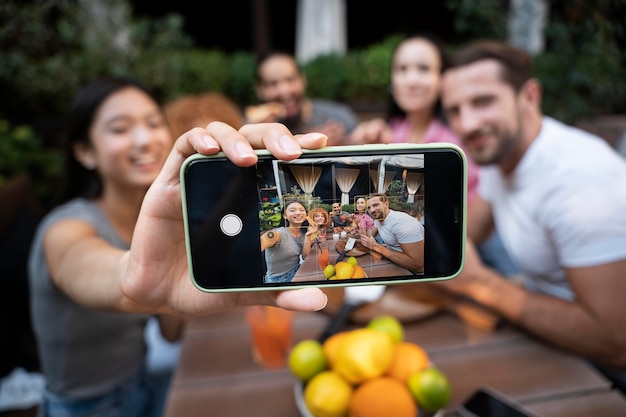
217, 376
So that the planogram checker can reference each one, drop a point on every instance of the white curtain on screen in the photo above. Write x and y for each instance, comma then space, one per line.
382, 179
306, 176
413, 182
346, 178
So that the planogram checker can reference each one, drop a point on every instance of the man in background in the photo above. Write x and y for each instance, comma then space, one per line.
281, 89
556, 195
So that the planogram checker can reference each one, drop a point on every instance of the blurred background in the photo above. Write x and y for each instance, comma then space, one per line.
48, 48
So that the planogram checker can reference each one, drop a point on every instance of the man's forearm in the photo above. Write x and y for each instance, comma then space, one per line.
399, 258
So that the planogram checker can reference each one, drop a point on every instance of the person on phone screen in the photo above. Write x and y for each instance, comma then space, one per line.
402, 235
281, 88
112, 253
360, 218
289, 245
537, 174
320, 217
339, 217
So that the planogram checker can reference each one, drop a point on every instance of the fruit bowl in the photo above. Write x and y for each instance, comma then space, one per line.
299, 395
304, 411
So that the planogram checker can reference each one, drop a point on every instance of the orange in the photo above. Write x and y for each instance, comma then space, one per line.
358, 272
331, 346
388, 324
430, 388
327, 394
363, 354
408, 358
343, 270
307, 359
382, 397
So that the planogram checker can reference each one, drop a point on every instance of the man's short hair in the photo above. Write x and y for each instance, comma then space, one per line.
516, 65
383, 197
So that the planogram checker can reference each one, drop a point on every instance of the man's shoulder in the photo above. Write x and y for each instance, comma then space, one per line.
329, 107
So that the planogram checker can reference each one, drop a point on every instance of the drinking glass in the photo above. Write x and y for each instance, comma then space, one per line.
271, 329
323, 255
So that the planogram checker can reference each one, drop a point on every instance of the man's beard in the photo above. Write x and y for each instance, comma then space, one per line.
293, 123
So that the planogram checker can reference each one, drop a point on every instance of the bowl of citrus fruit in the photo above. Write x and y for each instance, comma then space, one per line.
370, 371
348, 269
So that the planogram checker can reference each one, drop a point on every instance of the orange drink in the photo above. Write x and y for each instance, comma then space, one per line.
323, 255
271, 335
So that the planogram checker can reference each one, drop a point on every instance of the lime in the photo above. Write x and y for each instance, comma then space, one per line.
430, 388
352, 261
390, 325
307, 359
329, 271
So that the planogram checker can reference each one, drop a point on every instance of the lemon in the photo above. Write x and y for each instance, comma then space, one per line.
363, 354
327, 394
343, 270
430, 388
388, 324
352, 261
329, 271
307, 359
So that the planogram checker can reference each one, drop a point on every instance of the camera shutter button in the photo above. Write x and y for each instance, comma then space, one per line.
231, 225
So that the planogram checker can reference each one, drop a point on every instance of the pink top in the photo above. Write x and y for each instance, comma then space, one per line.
363, 220
437, 132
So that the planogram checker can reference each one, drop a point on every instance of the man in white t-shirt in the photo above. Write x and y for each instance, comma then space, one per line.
402, 234
557, 196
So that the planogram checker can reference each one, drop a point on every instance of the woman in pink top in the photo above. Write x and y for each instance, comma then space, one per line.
414, 114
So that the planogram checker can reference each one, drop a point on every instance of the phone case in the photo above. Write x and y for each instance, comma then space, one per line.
235, 213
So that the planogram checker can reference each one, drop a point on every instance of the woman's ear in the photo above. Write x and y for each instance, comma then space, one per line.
85, 155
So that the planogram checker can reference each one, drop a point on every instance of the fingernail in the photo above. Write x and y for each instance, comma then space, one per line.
210, 143
288, 145
243, 150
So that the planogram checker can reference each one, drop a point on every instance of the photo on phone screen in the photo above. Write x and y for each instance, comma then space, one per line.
392, 213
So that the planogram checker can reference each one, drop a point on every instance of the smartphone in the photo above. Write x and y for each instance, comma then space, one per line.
487, 402
238, 220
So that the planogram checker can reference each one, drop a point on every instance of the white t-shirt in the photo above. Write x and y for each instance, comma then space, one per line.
564, 205
399, 227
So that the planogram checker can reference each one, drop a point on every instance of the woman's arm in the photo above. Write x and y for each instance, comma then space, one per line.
153, 277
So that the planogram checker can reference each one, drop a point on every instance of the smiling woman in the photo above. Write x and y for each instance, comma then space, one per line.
117, 143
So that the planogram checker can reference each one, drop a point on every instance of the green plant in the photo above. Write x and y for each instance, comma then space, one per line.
582, 68
22, 152
270, 215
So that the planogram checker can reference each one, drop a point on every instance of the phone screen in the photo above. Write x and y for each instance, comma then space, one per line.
246, 226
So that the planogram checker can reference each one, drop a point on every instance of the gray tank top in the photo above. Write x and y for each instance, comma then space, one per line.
285, 255
83, 352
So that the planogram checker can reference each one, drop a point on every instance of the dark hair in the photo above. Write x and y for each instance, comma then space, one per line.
516, 65
78, 181
393, 110
382, 196
263, 57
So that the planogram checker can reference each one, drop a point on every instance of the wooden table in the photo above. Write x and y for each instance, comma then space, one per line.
310, 270
217, 376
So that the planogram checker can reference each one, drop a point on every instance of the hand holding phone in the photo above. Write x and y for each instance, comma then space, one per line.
249, 228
